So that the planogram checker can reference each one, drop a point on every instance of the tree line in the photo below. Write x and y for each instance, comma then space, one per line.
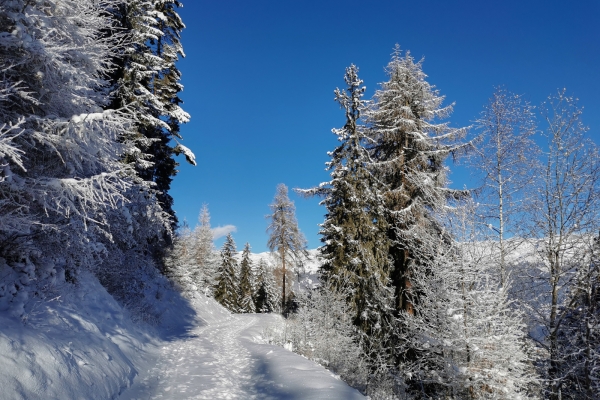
489, 292
241, 285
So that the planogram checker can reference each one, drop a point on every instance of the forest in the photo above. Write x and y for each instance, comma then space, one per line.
424, 291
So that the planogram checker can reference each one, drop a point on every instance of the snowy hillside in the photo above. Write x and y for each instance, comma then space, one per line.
82, 344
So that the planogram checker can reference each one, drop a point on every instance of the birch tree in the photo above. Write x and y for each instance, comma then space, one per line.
565, 220
506, 161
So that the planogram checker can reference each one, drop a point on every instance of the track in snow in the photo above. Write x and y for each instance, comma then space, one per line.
221, 361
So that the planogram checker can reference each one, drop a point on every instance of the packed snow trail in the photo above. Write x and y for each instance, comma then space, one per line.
221, 360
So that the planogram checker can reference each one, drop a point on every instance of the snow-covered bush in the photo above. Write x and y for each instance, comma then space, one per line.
322, 331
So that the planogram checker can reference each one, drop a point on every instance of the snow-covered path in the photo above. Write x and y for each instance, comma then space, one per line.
221, 360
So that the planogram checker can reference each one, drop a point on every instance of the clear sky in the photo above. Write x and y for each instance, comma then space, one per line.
259, 78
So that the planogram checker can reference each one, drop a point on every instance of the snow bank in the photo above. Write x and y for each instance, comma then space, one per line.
286, 375
79, 345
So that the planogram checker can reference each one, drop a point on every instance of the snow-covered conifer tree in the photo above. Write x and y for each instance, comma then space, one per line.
267, 297
246, 288
59, 157
408, 149
226, 289
204, 251
285, 237
354, 234
146, 84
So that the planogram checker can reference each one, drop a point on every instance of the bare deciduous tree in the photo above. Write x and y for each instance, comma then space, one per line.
505, 160
565, 217
285, 237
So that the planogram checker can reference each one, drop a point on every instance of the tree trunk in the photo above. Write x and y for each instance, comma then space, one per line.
283, 285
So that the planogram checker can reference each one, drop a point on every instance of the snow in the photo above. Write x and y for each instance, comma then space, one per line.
229, 359
80, 345
83, 345
308, 270
189, 155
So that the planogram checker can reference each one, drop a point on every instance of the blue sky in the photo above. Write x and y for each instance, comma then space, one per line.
259, 78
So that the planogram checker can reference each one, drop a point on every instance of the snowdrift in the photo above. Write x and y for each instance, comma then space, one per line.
81, 344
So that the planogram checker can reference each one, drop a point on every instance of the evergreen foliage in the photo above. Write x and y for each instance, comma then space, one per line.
227, 281
408, 150
146, 84
246, 288
266, 298
355, 244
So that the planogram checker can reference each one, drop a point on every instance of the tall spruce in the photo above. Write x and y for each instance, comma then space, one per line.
285, 238
246, 288
408, 149
226, 289
146, 84
355, 245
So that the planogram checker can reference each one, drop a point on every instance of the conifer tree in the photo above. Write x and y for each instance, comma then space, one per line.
285, 237
354, 232
267, 296
146, 83
246, 292
204, 251
408, 150
226, 289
